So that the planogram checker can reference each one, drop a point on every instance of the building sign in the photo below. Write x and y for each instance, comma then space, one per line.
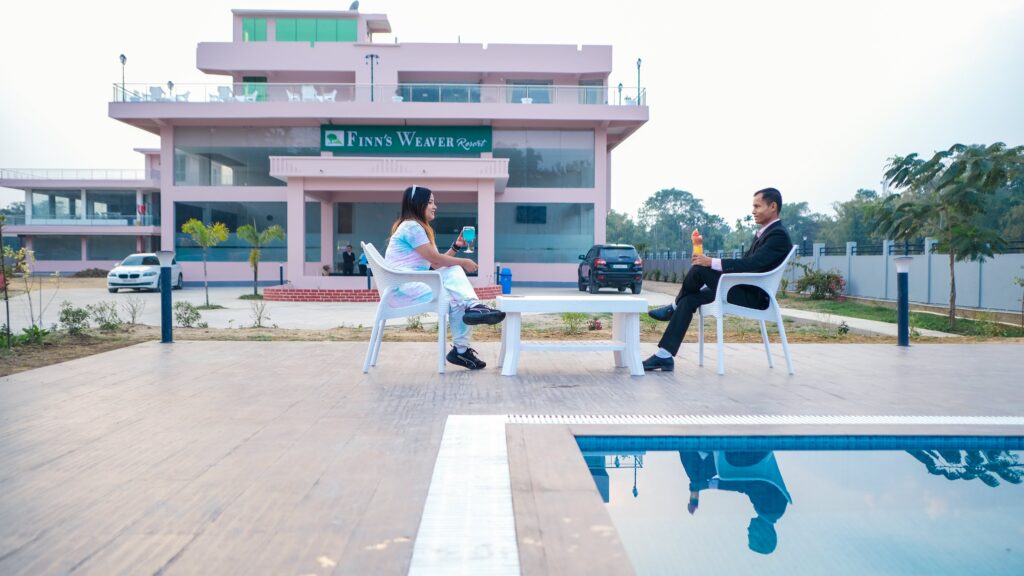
405, 140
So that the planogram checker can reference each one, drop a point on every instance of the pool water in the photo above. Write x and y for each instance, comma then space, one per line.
930, 508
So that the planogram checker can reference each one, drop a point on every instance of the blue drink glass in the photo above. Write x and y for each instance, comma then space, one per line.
469, 235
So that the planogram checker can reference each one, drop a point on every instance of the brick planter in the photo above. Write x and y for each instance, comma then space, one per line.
289, 294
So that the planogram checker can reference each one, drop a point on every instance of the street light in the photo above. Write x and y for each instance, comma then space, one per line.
170, 89
124, 60
903, 300
371, 59
638, 61
620, 93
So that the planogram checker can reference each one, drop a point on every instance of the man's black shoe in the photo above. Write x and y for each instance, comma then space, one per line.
467, 359
663, 313
656, 363
480, 314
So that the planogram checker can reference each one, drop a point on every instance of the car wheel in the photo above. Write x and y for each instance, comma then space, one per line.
593, 286
636, 287
180, 284
581, 283
112, 290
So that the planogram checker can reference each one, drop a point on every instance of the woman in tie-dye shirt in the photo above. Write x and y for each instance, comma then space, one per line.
412, 248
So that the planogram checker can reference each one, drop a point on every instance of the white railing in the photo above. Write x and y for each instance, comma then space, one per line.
96, 220
70, 174
420, 92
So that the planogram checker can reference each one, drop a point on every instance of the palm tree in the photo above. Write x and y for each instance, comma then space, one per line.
943, 197
206, 237
258, 240
985, 465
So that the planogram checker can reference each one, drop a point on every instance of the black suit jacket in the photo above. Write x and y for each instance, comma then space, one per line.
765, 254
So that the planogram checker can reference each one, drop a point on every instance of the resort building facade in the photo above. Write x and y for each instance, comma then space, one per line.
312, 126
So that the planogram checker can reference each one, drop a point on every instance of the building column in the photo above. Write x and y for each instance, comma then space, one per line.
296, 230
28, 206
85, 210
139, 217
326, 233
166, 183
85, 249
485, 232
139, 244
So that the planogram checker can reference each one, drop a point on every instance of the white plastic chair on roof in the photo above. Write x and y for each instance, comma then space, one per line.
388, 279
308, 93
767, 281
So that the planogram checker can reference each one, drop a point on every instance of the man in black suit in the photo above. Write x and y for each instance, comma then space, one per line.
768, 249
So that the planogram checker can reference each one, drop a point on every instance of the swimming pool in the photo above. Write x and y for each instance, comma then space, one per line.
814, 505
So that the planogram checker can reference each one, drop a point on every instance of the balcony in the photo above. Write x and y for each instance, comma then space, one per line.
256, 93
71, 174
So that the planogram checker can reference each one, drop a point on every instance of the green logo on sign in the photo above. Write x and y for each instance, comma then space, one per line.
405, 140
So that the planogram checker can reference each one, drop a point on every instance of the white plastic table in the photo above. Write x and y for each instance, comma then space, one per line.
625, 343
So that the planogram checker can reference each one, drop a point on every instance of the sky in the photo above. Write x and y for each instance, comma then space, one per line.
810, 97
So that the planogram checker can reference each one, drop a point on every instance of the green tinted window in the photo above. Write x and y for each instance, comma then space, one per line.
326, 30
254, 29
286, 29
305, 30
347, 31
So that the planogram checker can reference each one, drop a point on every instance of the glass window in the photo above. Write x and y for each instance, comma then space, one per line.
592, 92
536, 91
312, 232
233, 215
256, 87
305, 30
254, 29
547, 158
56, 204
108, 247
57, 247
348, 30
285, 30
227, 156
326, 30
110, 204
566, 232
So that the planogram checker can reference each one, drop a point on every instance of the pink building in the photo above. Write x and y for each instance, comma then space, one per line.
309, 124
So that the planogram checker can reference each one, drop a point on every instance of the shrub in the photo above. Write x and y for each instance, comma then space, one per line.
822, 285
187, 315
104, 314
572, 322
91, 273
595, 324
33, 335
656, 275
259, 313
133, 308
74, 320
414, 322
673, 278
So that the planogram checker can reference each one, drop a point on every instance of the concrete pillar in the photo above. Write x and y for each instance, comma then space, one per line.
327, 233
85, 209
851, 249
28, 206
816, 249
139, 217
85, 249
296, 230
886, 248
166, 182
928, 246
485, 231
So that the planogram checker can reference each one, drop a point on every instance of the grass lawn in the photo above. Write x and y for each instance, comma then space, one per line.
919, 320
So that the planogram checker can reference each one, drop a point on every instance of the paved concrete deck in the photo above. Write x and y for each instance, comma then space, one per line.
282, 458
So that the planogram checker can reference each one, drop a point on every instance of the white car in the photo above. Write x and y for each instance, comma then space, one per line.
142, 272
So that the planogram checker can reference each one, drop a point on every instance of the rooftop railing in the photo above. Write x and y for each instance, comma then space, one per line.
108, 219
256, 92
70, 174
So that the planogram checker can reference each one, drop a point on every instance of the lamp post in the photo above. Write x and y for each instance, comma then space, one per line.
638, 61
170, 90
902, 300
371, 59
620, 93
803, 247
124, 60
166, 258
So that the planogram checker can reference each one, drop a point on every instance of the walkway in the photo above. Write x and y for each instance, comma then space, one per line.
283, 458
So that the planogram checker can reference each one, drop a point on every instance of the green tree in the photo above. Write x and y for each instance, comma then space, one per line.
853, 221
670, 216
943, 197
258, 240
621, 229
206, 237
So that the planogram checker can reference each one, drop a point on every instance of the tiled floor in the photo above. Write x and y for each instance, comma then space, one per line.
282, 457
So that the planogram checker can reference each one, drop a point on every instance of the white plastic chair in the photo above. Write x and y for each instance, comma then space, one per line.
388, 279
330, 96
767, 281
156, 94
224, 92
292, 96
308, 93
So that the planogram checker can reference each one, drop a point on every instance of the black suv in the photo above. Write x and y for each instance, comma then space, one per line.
615, 265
